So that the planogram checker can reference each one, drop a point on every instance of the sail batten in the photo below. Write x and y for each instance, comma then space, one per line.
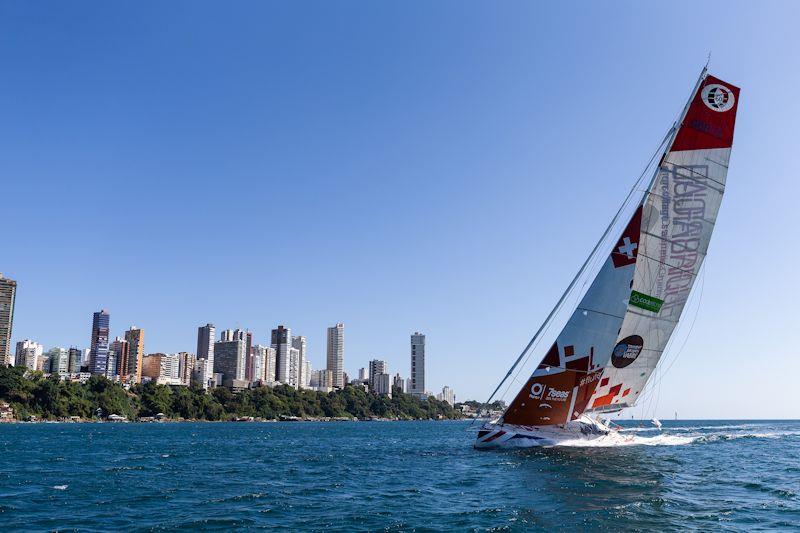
619, 329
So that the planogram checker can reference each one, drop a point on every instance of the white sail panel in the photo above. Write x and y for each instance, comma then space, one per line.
679, 216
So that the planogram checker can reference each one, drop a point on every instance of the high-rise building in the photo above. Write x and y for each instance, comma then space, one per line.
111, 366
335, 358
321, 380
248, 342
281, 342
299, 344
200, 374
135, 339
363, 374
269, 365
29, 354
258, 363
98, 350
170, 369
75, 355
399, 383
8, 292
230, 359
206, 335
186, 363
151, 366
294, 363
376, 367
121, 350
383, 384
59, 360
447, 395
416, 385
307, 375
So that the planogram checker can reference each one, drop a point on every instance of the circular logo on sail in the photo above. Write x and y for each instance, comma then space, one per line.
718, 97
626, 351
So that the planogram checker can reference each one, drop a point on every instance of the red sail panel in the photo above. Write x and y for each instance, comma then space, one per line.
708, 124
552, 398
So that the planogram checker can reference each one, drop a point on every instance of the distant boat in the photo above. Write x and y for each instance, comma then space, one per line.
617, 333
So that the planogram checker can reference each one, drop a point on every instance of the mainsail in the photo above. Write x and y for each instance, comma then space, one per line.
616, 335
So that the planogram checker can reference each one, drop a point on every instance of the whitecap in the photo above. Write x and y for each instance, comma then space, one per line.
60, 487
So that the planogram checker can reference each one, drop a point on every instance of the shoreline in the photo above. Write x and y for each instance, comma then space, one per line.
254, 420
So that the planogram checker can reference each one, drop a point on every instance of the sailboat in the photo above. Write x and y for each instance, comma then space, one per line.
630, 293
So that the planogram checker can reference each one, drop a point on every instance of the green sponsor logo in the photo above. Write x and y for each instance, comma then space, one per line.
650, 303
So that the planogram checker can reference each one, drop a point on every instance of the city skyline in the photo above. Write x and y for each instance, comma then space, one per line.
229, 361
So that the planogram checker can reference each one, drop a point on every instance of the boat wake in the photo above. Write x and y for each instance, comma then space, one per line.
665, 439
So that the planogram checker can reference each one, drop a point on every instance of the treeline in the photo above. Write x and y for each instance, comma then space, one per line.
49, 398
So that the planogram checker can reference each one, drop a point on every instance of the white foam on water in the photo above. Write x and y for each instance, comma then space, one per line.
615, 439
60, 487
667, 439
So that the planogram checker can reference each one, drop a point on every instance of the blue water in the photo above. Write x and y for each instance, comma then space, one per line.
394, 476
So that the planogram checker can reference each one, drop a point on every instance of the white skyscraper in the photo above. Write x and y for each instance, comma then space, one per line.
206, 335
299, 344
259, 360
447, 395
170, 369
294, 368
336, 354
416, 385
28, 354
269, 365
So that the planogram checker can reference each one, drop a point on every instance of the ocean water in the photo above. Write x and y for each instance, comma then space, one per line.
393, 476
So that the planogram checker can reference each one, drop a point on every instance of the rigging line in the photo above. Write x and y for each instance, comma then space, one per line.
582, 270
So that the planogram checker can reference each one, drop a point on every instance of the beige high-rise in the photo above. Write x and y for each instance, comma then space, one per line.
8, 291
135, 338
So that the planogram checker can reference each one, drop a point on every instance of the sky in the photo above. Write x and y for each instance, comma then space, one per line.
442, 167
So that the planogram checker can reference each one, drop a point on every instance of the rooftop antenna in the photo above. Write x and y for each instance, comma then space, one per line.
708, 59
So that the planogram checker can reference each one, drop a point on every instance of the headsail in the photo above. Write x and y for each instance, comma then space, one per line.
614, 339
679, 214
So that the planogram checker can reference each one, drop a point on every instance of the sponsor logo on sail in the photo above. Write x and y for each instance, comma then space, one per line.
557, 395
717, 97
537, 391
645, 301
626, 351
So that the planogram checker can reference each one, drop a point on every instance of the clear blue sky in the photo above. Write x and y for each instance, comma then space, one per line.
397, 166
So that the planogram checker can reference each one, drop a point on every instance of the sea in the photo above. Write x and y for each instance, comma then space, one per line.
394, 476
